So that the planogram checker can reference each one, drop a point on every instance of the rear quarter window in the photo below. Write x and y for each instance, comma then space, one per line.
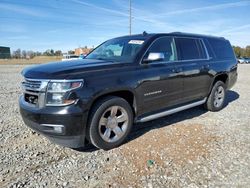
221, 48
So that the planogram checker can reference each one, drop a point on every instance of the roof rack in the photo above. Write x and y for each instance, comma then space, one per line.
176, 32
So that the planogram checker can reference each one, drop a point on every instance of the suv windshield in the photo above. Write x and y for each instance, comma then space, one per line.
120, 49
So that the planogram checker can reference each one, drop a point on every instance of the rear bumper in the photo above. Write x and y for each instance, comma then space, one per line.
62, 125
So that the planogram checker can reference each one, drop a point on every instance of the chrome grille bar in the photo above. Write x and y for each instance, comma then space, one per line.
35, 87
34, 84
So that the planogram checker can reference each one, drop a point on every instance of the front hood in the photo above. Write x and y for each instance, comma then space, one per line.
68, 69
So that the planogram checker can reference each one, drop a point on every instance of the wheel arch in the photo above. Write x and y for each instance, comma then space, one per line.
219, 77
125, 93
222, 77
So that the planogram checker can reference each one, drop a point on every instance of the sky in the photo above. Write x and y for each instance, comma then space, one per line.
64, 25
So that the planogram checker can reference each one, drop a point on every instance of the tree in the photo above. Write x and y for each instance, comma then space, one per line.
49, 52
242, 52
52, 52
38, 53
30, 54
46, 53
247, 51
58, 53
17, 54
71, 52
238, 51
24, 54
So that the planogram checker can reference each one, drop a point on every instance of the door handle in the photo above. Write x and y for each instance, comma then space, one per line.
205, 67
177, 70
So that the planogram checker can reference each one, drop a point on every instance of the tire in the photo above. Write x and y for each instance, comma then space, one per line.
216, 99
110, 122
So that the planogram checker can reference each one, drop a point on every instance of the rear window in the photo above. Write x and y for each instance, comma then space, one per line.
190, 49
222, 48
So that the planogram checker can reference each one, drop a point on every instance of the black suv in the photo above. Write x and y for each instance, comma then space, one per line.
128, 79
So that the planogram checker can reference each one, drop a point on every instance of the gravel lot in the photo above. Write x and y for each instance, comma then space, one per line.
194, 148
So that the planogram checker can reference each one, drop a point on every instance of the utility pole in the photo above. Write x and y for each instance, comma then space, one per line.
130, 18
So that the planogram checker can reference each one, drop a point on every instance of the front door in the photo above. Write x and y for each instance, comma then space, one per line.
162, 83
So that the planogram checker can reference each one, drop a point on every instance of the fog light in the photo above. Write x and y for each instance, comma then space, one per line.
52, 128
58, 129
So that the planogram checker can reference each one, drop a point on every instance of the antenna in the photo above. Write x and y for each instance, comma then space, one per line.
130, 18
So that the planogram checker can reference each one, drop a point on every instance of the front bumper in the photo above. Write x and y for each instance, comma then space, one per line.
62, 125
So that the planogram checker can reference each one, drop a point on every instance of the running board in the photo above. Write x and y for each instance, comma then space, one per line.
171, 111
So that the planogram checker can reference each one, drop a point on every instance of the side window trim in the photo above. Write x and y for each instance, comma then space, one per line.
176, 50
211, 50
206, 51
199, 46
203, 44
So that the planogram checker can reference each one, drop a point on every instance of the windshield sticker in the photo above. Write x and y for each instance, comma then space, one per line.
136, 42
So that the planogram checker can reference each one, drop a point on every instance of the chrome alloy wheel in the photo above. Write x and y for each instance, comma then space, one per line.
113, 124
219, 96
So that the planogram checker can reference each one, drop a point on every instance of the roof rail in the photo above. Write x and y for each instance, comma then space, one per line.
176, 32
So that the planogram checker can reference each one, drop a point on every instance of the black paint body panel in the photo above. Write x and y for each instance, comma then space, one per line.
192, 82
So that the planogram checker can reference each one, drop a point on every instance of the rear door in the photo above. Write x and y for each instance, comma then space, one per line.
195, 66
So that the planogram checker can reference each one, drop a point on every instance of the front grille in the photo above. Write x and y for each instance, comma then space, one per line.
34, 92
33, 85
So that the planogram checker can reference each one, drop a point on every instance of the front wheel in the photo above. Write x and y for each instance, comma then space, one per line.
216, 99
110, 122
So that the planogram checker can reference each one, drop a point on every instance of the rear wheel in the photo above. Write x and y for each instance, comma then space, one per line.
110, 122
216, 99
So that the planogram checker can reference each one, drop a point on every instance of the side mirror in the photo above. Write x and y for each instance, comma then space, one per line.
153, 56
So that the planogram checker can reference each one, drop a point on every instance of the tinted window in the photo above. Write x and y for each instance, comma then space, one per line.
221, 48
188, 49
164, 45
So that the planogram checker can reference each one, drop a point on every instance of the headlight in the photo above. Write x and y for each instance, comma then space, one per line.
58, 92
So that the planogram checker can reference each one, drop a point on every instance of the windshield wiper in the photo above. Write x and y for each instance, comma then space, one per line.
105, 59
100, 58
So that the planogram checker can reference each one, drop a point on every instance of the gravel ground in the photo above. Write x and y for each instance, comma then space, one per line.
194, 148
